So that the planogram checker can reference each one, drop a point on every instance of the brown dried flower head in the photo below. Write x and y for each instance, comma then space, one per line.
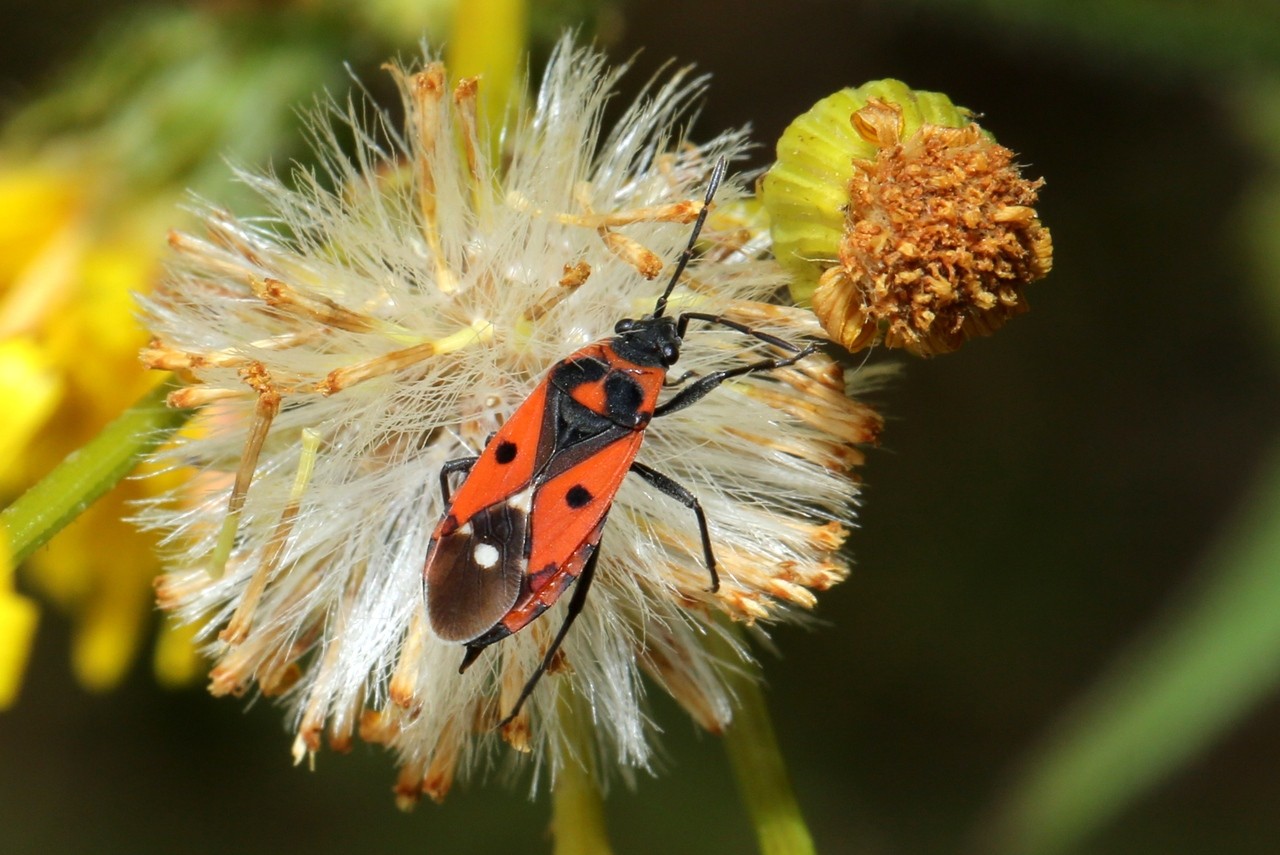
939, 236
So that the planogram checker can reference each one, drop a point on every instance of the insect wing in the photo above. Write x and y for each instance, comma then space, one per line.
476, 563
542, 591
570, 506
508, 463
568, 518
475, 571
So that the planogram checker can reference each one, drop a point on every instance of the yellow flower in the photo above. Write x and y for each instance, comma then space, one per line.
68, 365
91, 176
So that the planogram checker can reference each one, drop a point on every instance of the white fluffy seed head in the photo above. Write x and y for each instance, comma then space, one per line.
400, 303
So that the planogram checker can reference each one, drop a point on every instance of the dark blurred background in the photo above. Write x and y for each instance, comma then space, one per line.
1039, 498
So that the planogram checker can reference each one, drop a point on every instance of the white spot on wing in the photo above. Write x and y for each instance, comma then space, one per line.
522, 501
486, 555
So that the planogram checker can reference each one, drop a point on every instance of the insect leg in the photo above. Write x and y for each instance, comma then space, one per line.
682, 324
575, 608
684, 497
672, 382
697, 391
458, 464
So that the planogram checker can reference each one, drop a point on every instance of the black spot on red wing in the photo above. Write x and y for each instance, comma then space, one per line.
623, 397
575, 372
578, 496
505, 452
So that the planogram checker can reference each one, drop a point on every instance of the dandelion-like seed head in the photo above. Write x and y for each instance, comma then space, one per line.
400, 303
904, 221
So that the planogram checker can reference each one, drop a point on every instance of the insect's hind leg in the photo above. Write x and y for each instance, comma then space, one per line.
682, 495
575, 608
458, 464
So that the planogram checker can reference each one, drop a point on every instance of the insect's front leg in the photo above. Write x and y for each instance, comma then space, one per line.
458, 464
682, 495
699, 390
682, 326
672, 382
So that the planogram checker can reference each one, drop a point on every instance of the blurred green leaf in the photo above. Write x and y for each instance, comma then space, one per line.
1205, 664
1225, 35
1257, 112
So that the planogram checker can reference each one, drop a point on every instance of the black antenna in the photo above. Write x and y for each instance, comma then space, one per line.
716, 175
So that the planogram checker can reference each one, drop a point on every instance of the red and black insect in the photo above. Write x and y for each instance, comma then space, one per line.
527, 520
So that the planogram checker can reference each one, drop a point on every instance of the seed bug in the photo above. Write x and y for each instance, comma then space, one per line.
527, 520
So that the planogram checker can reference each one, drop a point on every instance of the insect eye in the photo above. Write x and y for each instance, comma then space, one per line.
670, 353
624, 325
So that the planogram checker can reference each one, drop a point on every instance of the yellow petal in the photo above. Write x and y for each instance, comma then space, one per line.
176, 660
99, 569
18, 618
29, 391
96, 340
104, 644
34, 204
111, 275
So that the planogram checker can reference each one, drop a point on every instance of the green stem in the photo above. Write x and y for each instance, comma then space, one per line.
762, 773
88, 472
577, 801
